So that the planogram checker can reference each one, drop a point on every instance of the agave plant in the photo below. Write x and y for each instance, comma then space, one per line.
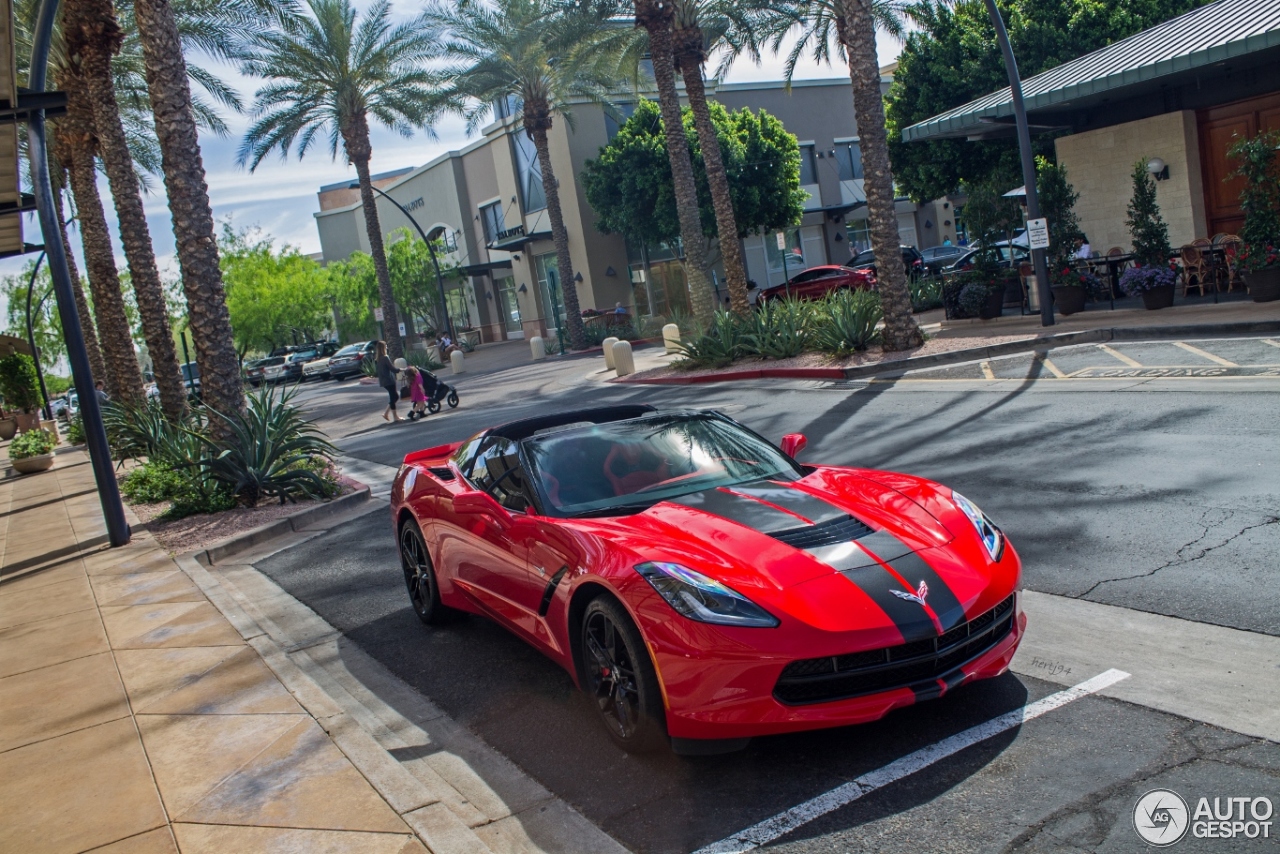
722, 343
268, 448
137, 430
780, 329
849, 322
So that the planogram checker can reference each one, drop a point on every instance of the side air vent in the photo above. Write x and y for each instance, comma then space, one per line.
840, 530
442, 473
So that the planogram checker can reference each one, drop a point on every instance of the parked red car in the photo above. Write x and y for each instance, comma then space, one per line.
817, 282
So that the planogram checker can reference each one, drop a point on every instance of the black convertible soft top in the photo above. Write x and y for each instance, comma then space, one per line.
523, 429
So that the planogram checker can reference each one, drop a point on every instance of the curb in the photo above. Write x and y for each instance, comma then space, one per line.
1046, 342
290, 524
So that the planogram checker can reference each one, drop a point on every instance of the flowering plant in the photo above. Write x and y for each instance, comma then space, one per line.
1138, 278
1264, 256
1073, 277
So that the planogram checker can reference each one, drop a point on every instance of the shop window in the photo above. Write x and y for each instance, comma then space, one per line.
549, 283
858, 232
808, 167
529, 172
494, 222
849, 160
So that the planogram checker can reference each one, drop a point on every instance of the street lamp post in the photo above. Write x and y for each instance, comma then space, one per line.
444, 306
1028, 161
31, 335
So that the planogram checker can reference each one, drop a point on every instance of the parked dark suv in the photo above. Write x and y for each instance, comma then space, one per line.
911, 260
348, 361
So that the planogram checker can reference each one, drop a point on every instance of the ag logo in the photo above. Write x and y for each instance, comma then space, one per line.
1161, 817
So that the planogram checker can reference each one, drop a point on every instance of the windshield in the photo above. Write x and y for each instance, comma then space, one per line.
627, 466
349, 350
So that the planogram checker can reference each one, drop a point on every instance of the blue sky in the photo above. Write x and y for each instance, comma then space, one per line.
280, 196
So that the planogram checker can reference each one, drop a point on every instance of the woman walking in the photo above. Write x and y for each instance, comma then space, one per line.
387, 379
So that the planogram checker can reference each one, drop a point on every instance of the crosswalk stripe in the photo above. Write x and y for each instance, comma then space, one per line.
1212, 358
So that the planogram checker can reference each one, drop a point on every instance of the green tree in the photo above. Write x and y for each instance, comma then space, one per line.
1057, 204
951, 58
413, 278
355, 292
45, 322
631, 189
327, 76
274, 296
1147, 228
546, 55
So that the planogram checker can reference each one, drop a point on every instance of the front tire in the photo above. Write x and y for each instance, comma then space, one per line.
452, 399
618, 675
420, 575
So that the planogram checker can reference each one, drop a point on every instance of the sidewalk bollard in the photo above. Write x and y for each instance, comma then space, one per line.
671, 337
51, 427
607, 346
456, 360
623, 360
539, 348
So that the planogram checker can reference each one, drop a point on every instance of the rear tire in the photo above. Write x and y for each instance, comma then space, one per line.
619, 677
420, 575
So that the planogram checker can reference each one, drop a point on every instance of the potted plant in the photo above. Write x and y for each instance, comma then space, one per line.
18, 384
980, 299
1260, 202
8, 426
1150, 276
1071, 286
32, 451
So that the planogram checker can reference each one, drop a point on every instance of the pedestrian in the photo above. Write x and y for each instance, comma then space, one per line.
1083, 250
387, 379
947, 242
417, 394
101, 391
621, 309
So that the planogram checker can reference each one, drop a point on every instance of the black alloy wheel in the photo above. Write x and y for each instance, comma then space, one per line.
433, 406
452, 400
618, 675
419, 575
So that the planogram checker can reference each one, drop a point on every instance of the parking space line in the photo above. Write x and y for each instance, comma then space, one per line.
1272, 343
986, 370
1050, 366
1212, 358
1133, 363
800, 815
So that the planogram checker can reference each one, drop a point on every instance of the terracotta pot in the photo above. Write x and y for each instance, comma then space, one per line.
1264, 285
31, 465
8, 429
27, 421
1158, 297
994, 307
1068, 299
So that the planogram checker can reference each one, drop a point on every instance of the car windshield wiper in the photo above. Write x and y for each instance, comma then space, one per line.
613, 510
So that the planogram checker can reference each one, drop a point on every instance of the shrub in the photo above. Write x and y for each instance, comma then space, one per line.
75, 431
777, 330
720, 345
267, 443
135, 431
623, 332
1139, 278
847, 322
32, 443
1260, 199
150, 484
926, 293
973, 298
18, 382
190, 491
421, 359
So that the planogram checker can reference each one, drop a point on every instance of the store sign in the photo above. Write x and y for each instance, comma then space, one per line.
1038, 233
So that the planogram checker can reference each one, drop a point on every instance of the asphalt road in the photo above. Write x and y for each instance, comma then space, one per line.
1153, 493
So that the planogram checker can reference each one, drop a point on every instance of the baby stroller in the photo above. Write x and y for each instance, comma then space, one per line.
437, 391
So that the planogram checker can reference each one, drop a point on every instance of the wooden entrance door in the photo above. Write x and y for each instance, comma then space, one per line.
1220, 127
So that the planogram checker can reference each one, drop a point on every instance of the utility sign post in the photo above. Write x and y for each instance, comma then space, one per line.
782, 247
1038, 233
377, 314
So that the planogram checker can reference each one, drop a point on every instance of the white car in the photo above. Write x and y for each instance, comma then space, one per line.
316, 369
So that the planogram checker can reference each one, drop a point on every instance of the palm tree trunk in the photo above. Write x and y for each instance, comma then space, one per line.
184, 179
655, 18
690, 56
356, 140
537, 119
858, 37
96, 366
93, 35
121, 375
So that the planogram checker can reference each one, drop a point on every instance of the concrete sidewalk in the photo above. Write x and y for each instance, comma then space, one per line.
134, 717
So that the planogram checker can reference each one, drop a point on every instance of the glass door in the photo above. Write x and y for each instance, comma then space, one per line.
508, 306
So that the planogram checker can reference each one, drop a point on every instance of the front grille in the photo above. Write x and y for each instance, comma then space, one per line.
839, 530
839, 677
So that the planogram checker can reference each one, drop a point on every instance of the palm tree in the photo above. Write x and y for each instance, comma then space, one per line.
853, 24
545, 55
656, 17
93, 36
327, 76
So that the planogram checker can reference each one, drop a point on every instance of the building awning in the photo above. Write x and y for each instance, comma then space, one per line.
516, 242
488, 267
1236, 32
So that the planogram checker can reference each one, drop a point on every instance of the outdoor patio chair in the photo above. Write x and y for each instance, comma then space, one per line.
1231, 247
1219, 237
1193, 264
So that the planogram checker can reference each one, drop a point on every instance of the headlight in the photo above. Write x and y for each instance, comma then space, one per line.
697, 597
991, 536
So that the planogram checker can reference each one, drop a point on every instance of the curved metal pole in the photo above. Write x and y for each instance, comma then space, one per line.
90, 411
444, 305
1028, 161
31, 336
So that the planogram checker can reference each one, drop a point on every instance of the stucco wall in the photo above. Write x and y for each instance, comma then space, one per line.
1099, 163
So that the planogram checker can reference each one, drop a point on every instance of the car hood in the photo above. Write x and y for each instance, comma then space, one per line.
795, 547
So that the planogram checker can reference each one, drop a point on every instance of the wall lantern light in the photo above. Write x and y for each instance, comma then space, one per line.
577, 277
839, 237
524, 289
609, 271
928, 223
1158, 169
516, 256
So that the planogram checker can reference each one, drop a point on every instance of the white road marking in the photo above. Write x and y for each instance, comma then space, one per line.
1212, 358
800, 815
986, 370
1272, 343
1133, 363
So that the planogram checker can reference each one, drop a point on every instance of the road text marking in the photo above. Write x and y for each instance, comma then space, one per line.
1133, 363
1212, 358
800, 815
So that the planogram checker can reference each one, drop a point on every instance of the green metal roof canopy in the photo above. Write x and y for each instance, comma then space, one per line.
1191, 43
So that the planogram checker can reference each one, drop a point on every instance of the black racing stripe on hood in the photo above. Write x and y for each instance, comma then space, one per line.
738, 508
944, 603
792, 500
885, 546
910, 619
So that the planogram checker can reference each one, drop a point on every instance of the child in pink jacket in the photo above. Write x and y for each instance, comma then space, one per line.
416, 394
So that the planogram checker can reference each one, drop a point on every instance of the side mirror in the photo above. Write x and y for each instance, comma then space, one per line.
476, 501
793, 443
